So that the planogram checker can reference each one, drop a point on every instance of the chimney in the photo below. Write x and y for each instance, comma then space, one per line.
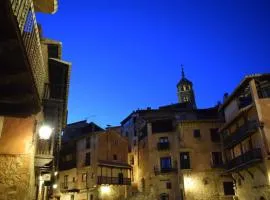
225, 97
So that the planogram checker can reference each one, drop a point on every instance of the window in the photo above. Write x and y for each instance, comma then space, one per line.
84, 177
197, 133
87, 159
215, 137
66, 181
163, 140
217, 159
184, 160
91, 197
135, 133
68, 158
165, 163
143, 184
73, 180
169, 185
228, 188
132, 160
164, 196
88, 143
72, 197
114, 157
120, 178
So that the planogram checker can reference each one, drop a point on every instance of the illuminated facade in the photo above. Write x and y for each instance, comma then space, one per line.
34, 89
93, 164
176, 152
245, 137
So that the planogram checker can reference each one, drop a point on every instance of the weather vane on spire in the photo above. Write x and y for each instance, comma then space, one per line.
183, 73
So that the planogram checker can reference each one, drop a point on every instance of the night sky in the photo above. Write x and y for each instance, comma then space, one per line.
127, 54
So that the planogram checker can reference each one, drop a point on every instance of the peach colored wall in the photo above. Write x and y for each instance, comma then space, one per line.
17, 135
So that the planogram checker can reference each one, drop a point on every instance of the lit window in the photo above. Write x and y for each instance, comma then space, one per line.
84, 177
184, 160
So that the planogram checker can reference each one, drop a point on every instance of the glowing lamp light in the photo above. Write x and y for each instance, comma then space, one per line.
55, 173
54, 186
45, 132
105, 189
189, 183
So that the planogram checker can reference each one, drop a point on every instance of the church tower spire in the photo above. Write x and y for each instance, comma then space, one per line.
183, 73
185, 90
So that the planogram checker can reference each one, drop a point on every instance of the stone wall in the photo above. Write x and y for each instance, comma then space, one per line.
252, 184
17, 177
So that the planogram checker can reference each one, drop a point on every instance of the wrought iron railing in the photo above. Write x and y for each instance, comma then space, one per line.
241, 133
245, 159
163, 146
164, 170
23, 10
113, 180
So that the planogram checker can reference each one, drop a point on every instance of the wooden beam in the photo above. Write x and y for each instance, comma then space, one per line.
250, 173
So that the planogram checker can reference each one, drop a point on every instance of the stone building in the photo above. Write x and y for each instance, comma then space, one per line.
246, 137
33, 98
94, 163
175, 150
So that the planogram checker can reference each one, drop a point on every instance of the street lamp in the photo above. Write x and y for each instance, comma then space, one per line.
45, 132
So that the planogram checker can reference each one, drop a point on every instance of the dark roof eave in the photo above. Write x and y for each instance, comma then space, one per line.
240, 86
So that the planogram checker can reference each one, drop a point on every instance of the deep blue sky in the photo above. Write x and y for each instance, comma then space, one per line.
126, 54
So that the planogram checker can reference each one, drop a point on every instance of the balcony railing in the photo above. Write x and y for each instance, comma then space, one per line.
164, 170
23, 10
163, 146
113, 180
240, 134
245, 159
44, 152
69, 187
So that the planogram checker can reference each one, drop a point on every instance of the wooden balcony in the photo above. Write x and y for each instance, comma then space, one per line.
22, 69
113, 180
244, 160
44, 152
69, 187
162, 146
240, 134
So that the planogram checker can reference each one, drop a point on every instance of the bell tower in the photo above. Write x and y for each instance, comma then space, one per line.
185, 90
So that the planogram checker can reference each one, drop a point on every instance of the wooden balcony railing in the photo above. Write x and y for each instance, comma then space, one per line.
44, 152
113, 180
244, 160
23, 10
161, 146
240, 134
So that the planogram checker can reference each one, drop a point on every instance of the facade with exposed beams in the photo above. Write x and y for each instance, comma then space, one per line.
34, 82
